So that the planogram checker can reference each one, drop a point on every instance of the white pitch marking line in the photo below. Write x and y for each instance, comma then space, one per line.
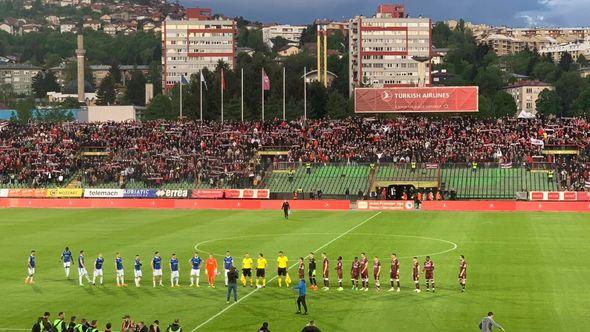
290, 267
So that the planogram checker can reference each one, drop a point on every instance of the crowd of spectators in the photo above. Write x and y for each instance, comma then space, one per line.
225, 154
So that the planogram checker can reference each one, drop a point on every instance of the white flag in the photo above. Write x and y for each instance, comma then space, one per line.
203, 80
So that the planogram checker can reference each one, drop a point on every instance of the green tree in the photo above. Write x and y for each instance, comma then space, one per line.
549, 103
70, 103
135, 92
582, 103
24, 109
568, 87
278, 43
336, 106
566, 61
504, 105
160, 108
489, 80
441, 33
44, 82
106, 94
115, 71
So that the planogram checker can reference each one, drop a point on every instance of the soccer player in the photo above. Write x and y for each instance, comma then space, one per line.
462, 272
261, 270
282, 262
394, 273
30, 268
195, 269
286, 209
120, 272
355, 271
98, 270
211, 270
377, 273
326, 271
66, 258
416, 273
228, 262
82, 269
174, 275
301, 269
364, 272
311, 266
247, 263
157, 269
429, 273
137, 270
339, 273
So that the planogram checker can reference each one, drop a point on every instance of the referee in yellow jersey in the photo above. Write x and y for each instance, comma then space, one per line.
261, 270
282, 262
247, 270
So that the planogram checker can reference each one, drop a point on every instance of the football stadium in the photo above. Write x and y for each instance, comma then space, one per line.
384, 172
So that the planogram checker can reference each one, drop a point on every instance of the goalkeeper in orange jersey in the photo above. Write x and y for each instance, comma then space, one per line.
211, 269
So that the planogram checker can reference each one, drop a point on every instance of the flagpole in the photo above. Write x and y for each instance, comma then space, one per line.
262, 86
283, 93
304, 93
181, 97
201, 97
222, 83
242, 93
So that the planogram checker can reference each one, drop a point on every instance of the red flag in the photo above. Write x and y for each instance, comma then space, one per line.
265, 81
222, 80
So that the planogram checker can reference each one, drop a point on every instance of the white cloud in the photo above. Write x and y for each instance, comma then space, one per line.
557, 13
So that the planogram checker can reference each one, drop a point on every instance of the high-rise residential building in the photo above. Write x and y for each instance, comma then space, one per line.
19, 76
200, 41
389, 49
526, 93
291, 33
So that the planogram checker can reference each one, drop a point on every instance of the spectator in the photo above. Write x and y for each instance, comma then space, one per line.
174, 327
155, 326
264, 327
311, 327
127, 325
141, 327
232, 283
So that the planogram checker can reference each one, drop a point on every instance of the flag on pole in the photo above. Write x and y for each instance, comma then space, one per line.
183, 80
265, 81
203, 80
222, 80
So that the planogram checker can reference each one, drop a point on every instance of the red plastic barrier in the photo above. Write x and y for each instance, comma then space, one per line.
197, 204
508, 206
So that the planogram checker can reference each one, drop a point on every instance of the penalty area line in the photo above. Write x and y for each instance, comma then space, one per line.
276, 276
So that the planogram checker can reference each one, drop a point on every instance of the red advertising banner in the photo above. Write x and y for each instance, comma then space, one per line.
207, 193
231, 193
559, 196
505, 206
33, 193
385, 205
416, 100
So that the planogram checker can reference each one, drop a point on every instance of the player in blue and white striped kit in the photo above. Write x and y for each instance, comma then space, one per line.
228, 262
174, 275
66, 258
30, 268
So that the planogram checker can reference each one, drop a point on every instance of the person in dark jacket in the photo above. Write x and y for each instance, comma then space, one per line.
141, 327
174, 327
302, 291
232, 283
264, 327
310, 327
155, 327
72, 324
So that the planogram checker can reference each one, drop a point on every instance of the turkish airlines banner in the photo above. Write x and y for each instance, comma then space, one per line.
416, 100
385, 205
579, 196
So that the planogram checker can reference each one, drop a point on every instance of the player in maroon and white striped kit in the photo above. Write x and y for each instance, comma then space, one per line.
301, 270
355, 271
462, 272
364, 272
377, 273
339, 273
326, 271
429, 273
394, 273
416, 273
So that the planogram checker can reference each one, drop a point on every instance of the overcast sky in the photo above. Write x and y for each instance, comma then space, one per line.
494, 12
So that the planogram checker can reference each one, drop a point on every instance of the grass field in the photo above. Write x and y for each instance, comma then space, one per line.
529, 268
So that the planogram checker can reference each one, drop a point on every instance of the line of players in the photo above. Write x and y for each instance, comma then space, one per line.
359, 270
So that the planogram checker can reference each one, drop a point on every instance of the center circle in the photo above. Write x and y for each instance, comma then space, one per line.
451, 246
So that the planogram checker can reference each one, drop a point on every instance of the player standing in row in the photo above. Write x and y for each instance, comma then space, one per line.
429, 273
82, 272
286, 209
377, 273
282, 263
211, 270
394, 273
312, 267
364, 272
339, 273
174, 274
247, 263
30, 268
355, 271
416, 273
462, 272
301, 269
137, 274
228, 262
120, 271
156, 265
66, 258
195, 263
97, 273
326, 271
261, 270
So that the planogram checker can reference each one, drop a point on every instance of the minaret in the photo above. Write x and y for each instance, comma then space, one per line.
80, 51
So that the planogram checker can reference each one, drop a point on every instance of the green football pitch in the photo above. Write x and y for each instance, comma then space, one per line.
530, 269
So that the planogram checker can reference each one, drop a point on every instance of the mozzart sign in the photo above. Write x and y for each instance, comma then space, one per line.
416, 100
